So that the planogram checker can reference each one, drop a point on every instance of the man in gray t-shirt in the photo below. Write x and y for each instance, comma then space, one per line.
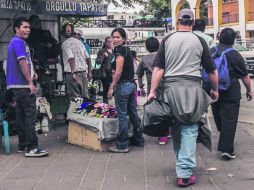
178, 62
146, 64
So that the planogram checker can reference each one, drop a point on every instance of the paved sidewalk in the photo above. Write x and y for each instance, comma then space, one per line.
153, 167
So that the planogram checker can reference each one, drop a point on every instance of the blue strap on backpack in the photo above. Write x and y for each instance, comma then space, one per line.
222, 69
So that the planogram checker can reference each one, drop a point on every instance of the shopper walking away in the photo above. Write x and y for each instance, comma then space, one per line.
146, 64
19, 78
178, 61
146, 67
226, 109
104, 58
124, 89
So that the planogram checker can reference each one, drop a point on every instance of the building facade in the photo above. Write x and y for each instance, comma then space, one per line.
237, 14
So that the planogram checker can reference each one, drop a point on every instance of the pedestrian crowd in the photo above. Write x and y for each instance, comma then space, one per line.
174, 70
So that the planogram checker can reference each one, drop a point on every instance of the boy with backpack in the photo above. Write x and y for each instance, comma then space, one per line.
231, 67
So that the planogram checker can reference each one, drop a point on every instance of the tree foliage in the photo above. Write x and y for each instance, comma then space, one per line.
159, 8
128, 3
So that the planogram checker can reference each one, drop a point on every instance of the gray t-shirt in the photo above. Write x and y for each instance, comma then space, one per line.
184, 54
146, 66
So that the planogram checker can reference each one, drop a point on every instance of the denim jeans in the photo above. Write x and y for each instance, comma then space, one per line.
25, 118
126, 106
184, 142
105, 85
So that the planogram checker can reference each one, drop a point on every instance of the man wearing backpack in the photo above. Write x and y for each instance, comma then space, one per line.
226, 109
178, 61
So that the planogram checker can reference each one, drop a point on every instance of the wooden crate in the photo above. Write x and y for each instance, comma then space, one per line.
79, 135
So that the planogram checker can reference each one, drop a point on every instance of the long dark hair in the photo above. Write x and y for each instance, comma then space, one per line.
122, 32
104, 44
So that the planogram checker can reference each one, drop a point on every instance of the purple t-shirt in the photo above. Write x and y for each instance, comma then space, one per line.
17, 49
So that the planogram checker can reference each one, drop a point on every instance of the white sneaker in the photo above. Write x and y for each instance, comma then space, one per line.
36, 152
226, 155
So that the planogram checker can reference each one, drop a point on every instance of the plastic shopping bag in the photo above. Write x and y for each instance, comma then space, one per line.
205, 132
157, 118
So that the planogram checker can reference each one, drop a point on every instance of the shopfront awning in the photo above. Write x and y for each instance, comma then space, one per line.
55, 7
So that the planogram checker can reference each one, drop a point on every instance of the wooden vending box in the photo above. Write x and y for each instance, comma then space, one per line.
79, 135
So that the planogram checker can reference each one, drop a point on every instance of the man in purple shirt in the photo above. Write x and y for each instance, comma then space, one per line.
19, 78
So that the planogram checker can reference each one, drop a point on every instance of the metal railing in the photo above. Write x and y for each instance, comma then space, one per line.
140, 49
95, 42
247, 43
226, 19
148, 23
120, 23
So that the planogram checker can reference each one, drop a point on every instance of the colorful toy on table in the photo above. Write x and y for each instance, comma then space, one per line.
99, 110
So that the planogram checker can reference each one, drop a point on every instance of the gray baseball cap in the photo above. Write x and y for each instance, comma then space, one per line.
186, 14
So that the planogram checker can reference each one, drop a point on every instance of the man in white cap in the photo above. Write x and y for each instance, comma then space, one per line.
179, 60
79, 35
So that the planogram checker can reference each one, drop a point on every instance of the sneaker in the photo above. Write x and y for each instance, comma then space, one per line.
133, 143
36, 152
228, 156
185, 182
114, 149
20, 150
162, 140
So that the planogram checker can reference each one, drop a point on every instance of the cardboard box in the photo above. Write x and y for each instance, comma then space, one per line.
79, 135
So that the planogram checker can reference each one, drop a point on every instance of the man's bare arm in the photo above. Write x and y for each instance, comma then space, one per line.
25, 70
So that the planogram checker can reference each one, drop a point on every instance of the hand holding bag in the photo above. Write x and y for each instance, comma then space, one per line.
205, 132
157, 118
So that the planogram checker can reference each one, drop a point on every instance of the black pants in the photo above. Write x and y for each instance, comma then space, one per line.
105, 85
226, 116
25, 118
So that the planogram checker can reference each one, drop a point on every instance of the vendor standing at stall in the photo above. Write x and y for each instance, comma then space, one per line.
42, 43
77, 64
125, 88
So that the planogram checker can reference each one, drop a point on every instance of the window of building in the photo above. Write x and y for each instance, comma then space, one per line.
227, 1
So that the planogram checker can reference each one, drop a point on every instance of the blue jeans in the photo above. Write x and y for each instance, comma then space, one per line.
126, 106
184, 142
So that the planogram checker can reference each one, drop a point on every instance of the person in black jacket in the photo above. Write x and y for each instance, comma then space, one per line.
104, 58
42, 43
226, 109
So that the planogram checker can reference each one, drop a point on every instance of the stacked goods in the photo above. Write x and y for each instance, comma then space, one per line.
99, 110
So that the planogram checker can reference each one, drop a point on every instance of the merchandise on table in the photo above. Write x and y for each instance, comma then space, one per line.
99, 110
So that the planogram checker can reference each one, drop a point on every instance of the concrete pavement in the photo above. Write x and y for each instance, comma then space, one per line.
71, 167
